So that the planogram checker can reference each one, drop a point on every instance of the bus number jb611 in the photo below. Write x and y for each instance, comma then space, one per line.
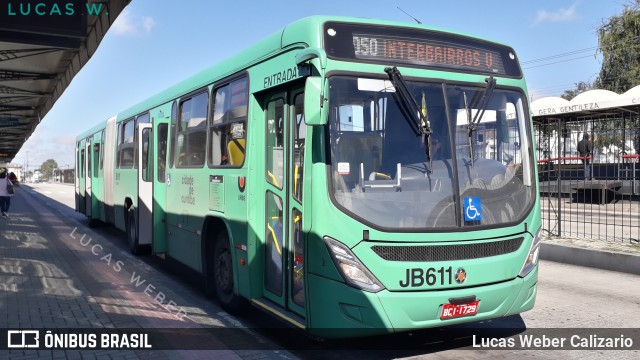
417, 277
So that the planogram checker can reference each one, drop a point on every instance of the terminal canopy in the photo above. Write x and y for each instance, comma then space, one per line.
43, 45
588, 104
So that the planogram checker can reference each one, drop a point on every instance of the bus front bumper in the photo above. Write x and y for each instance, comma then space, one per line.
339, 310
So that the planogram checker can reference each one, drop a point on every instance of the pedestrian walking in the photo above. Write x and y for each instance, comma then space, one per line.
13, 178
6, 192
585, 148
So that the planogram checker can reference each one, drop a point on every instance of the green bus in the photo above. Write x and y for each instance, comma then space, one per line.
364, 175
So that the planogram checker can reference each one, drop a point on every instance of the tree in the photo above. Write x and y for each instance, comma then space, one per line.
619, 43
581, 87
47, 168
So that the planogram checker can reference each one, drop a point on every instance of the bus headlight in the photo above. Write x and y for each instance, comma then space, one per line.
350, 267
532, 258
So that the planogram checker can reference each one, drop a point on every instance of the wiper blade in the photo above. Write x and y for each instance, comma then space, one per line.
470, 125
422, 125
484, 102
400, 85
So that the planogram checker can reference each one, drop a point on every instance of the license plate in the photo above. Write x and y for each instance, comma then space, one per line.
450, 311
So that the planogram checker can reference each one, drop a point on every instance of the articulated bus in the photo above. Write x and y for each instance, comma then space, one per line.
363, 175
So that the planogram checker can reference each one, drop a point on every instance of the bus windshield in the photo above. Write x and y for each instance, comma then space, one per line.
474, 168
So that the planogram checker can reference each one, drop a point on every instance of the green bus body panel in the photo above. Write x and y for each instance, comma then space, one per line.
96, 129
356, 312
481, 271
189, 203
362, 313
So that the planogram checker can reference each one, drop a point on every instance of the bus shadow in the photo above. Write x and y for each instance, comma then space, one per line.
403, 344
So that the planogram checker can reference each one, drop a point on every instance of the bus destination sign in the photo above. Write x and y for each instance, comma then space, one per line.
413, 47
426, 52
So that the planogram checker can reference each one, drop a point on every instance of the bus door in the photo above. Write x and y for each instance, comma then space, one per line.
283, 245
159, 147
87, 177
145, 184
79, 177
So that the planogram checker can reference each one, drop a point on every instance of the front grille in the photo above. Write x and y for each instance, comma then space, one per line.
447, 252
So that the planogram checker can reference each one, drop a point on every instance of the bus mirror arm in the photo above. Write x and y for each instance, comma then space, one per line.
315, 113
310, 54
314, 97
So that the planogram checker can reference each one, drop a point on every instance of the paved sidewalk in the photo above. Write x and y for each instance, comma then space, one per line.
607, 255
57, 274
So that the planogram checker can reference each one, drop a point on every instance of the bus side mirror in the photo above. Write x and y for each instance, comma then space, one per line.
315, 110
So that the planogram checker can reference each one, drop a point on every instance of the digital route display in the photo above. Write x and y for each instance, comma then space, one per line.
419, 48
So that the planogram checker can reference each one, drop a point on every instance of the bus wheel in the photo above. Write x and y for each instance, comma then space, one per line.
223, 274
132, 232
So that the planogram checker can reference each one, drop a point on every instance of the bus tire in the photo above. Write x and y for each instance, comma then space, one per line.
223, 274
132, 232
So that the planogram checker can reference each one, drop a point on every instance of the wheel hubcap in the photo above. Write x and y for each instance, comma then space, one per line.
223, 272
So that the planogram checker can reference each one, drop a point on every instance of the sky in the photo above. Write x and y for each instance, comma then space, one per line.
156, 43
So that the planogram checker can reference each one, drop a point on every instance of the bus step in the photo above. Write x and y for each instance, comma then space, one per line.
288, 316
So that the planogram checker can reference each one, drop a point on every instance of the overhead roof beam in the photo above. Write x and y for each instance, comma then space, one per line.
13, 99
8, 108
12, 90
23, 75
13, 54
39, 39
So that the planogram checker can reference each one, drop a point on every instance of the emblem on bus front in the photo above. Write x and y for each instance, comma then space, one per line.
461, 276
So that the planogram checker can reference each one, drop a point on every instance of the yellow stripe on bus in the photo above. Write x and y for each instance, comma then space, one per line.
275, 239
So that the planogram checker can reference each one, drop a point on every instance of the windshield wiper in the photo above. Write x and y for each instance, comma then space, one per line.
422, 125
484, 102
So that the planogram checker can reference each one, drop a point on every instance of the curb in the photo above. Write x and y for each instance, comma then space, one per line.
607, 260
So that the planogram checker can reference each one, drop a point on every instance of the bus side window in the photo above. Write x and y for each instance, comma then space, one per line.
275, 146
126, 145
118, 142
81, 164
78, 160
227, 132
300, 135
192, 131
162, 151
274, 242
174, 121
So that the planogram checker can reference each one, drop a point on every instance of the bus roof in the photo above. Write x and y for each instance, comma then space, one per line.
306, 32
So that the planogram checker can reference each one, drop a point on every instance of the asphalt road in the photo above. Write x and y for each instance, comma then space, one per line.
571, 300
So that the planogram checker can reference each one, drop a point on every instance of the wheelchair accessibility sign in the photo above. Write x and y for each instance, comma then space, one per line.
472, 209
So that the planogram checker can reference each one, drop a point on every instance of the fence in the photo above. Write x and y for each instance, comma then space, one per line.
596, 195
